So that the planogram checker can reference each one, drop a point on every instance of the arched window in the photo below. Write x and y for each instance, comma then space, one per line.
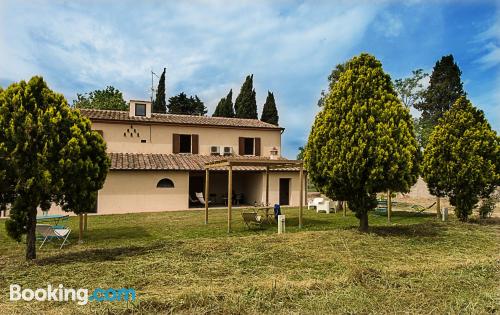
165, 183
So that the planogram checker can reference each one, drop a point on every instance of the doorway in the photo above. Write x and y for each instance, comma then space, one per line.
284, 191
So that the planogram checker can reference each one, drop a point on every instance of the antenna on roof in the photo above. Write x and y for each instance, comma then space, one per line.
152, 84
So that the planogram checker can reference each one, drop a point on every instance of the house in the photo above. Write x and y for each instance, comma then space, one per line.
158, 160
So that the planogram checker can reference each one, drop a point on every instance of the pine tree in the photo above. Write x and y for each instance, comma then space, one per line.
362, 142
444, 89
159, 104
49, 154
109, 98
462, 159
246, 105
183, 105
225, 106
269, 111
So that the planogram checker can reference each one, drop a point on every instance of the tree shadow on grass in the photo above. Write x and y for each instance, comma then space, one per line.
115, 233
425, 229
100, 254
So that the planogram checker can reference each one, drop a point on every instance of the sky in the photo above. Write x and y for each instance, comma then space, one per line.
208, 47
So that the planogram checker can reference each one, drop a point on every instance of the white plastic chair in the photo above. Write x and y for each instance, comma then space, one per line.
314, 202
323, 206
48, 233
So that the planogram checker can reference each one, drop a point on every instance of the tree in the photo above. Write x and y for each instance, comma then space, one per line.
362, 142
159, 104
462, 158
109, 98
300, 154
269, 111
411, 90
332, 79
445, 87
50, 154
245, 105
182, 105
225, 106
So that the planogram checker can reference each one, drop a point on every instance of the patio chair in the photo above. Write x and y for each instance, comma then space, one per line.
421, 209
49, 233
193, 200
252, 219
314, 202
200, 197
381, 207
325, 205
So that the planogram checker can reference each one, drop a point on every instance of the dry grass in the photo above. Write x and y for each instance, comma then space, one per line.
179, 265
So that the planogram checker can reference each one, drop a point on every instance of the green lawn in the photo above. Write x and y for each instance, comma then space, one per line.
179, 265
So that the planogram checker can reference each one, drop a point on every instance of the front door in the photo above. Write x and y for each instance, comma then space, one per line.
284, 191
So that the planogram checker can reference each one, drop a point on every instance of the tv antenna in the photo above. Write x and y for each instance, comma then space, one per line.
152, 84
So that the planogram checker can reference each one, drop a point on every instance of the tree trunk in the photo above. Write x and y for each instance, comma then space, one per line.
85, 222
438, 208
31, 235
363, 221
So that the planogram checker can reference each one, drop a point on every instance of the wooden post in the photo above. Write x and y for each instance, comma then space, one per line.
438, 207
267, 186
344, 206
389, 206
301, 198
206, 194
80, 230
85, 222
305, 189
229, 197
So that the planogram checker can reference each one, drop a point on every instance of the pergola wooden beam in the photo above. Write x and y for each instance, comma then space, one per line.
266, 164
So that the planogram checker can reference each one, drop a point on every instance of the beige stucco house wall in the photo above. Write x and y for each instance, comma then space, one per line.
142, 153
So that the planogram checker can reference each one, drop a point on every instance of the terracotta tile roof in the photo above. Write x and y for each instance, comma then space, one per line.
115, 115
174, 162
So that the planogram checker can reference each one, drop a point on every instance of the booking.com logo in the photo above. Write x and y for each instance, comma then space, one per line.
62, 294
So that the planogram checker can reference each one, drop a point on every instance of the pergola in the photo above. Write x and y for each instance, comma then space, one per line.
267, 164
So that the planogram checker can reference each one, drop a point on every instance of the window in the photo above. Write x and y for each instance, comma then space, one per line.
249, 145
165, 183
185, 144
140, 109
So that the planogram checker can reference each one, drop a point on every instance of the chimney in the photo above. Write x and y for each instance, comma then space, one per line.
140, 108
274, 154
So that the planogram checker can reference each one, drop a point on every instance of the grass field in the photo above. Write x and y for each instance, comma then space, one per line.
179, 265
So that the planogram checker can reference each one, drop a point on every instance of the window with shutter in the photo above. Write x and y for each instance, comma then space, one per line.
176, 143
257, 146
194, 144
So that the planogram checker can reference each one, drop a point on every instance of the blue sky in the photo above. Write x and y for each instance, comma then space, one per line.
209, 47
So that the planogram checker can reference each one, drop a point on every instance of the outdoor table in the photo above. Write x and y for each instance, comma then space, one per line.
54, 218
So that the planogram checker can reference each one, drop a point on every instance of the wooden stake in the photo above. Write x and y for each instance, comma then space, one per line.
301, 198
207, 175
85, 222
229, 197
438, 207
80, 230
389, 206
267, 186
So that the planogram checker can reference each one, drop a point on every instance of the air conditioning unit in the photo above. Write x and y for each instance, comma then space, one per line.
228, 150
215, 150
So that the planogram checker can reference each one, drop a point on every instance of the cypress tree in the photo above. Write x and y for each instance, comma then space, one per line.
225, 106
444, 89
269, 111
362, 142
159, 104
462, 159
246, 105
